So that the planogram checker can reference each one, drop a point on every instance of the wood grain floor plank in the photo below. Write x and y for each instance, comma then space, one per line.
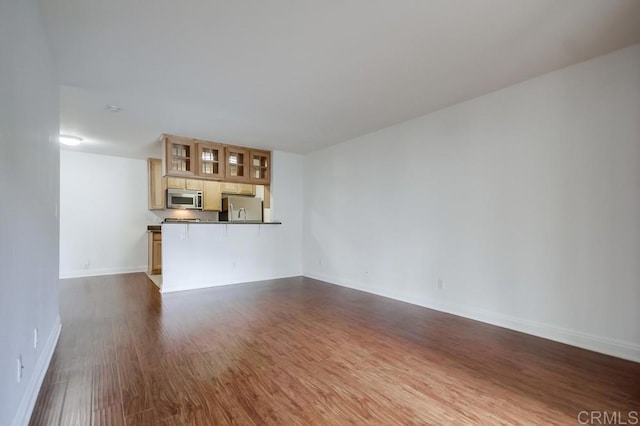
134, 388
48, 409
298, 352
143, 418
111, 415
106, 386
77, 407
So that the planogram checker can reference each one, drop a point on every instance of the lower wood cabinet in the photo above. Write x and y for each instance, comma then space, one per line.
155, 253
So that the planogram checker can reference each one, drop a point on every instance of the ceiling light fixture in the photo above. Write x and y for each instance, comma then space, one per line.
70, 140
112, 108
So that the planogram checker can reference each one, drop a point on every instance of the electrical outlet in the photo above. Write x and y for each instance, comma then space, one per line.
440, 283
87, 264
20, 368
35, 338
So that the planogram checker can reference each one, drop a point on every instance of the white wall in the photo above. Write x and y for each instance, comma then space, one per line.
28, 212
103, 214
206, 255
525, 201
287, 179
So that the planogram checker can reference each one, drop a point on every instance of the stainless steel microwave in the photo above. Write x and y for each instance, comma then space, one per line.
181, 199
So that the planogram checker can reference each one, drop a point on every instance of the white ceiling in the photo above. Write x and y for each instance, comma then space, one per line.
298, 75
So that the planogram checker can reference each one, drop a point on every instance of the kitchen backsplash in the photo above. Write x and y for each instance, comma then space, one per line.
157, 216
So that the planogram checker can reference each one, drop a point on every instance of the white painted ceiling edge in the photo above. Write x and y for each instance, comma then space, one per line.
298, 76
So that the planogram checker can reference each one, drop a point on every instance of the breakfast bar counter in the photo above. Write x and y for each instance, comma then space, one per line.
195, 255
158, 228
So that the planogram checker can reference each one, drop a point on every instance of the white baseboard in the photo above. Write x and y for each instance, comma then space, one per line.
620, 349
28, 401
79, 273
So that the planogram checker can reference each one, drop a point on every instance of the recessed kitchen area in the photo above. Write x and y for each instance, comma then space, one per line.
204, 191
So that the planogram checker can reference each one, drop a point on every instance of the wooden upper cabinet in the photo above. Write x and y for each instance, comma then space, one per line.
236, 164
211, 196
180, 156
183, 183
193, 184
211, 160
187, 157
234, 188
176, 183
260, 167
246, 189
156, 187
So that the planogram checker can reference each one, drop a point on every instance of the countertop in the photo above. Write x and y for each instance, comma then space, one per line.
158, 228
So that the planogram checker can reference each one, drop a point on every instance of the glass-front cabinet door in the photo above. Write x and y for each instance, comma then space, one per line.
236, 164
180, 156
210, 160
260, 167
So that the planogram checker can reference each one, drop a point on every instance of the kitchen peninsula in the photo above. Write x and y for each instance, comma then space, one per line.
207, 254
216, 204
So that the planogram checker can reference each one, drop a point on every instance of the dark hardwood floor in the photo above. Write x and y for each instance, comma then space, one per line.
297, 351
